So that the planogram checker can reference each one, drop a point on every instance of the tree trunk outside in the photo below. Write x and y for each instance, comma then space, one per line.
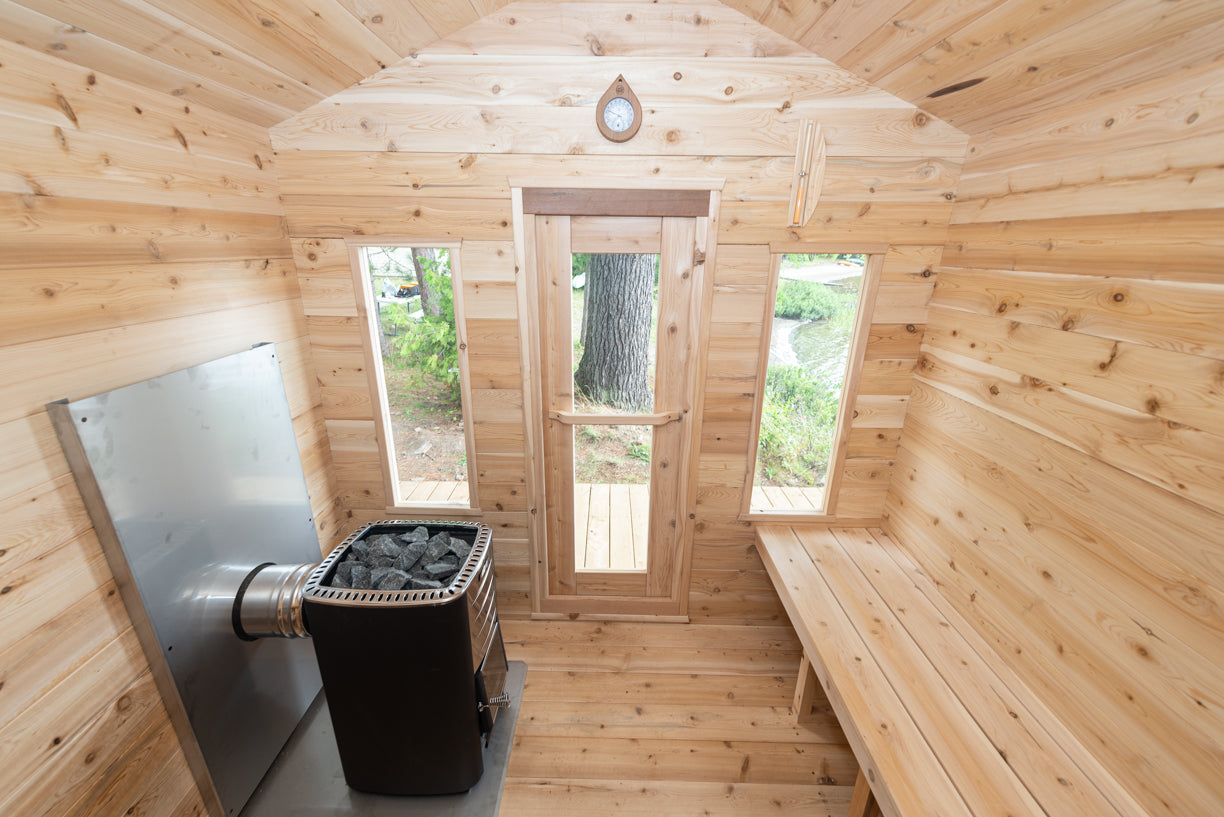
616, 339
429, 298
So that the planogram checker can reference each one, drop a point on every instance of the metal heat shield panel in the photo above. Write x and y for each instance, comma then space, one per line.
192, 479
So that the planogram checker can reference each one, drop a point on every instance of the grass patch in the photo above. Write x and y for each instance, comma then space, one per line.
797, 422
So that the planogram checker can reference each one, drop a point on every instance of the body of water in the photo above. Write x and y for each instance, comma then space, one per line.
819, 346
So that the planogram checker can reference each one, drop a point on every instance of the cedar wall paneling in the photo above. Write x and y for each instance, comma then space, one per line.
138, 235
427, 148
1061, 471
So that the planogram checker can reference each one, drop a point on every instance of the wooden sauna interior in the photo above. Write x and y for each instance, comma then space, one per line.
1039, 418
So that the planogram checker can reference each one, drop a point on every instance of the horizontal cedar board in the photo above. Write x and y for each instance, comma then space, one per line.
1179, 317
32, 454
336, 332
367, 495
49, 232
1191, 188
69, 367
878, 411
338, 216
902, 303
909, 264
140, 67
46, 89
1125, 565
579, 657
328, 295
46, 586
886, 376
40, 519
658, 688
492, 336
580, 29
351, 435
1116, 36
978, 44
526, 797
112, 727
52, 302
322, 256
1126, 691
490, 301
1179, 246
1130, 515
884, 222
1176, 457
488, 261
456, 79
642, 203
873, 442
683, 131
486, 371
892, 341
41, 159
1184, 105
44, 658
502, 469
1148, 60
1174, 386
677, 760
1099, 169
483, 176
185, 54
346, 402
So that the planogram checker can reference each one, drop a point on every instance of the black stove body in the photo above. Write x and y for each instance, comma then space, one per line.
413, 678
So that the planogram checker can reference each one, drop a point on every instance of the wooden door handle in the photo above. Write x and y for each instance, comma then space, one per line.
569, 418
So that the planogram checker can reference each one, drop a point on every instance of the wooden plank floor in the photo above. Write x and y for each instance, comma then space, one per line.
626, 718
420, 490
610, 526
772, 498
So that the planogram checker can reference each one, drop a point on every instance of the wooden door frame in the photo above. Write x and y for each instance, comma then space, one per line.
624, 199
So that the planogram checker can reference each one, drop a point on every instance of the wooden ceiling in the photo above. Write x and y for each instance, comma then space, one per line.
979, 64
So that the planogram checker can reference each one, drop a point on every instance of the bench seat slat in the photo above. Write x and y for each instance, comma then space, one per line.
890, 650
906, 777
981, 775
1057, 764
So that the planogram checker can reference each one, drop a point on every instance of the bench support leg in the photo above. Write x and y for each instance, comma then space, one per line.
807, 692
862, 802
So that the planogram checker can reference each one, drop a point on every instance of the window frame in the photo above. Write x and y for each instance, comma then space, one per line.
383, 429
864, 313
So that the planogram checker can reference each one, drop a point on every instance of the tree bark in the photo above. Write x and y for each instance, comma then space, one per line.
616, 338
429, 298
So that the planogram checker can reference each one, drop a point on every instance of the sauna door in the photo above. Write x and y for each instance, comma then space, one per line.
616, 531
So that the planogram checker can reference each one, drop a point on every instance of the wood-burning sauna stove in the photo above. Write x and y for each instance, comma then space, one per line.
413, 678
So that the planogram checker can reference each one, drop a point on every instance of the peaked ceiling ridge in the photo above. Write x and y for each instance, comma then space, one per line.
491, 61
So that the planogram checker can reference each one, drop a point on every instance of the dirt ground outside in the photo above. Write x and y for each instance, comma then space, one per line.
429, 442
427, 426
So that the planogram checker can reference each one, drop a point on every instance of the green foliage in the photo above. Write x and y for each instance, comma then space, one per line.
797, 421
429, 343
811, 301
639, 451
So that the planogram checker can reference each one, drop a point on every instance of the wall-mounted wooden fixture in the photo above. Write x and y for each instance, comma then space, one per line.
809, 173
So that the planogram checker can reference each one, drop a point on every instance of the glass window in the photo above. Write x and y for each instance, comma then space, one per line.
811, 333
411, 308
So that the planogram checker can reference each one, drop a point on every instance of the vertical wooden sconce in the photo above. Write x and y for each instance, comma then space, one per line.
809, 173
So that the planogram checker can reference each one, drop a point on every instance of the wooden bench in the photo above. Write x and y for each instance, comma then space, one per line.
940, 725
